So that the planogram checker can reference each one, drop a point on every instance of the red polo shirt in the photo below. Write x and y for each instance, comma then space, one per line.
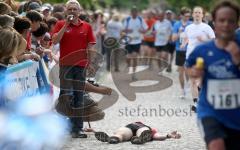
74, 43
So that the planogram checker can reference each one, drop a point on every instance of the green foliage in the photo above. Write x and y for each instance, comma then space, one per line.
120, 4
206, 4
141, 4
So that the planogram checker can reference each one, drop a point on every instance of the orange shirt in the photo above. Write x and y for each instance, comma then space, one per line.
148, 37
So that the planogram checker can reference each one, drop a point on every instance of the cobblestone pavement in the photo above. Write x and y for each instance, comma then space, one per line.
151, 111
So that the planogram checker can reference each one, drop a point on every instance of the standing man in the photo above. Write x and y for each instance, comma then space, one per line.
76, 38
134, 26
219, 102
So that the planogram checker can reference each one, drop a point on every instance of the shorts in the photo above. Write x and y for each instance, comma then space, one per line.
149, 44
180, 58
135, 126
213, 129
133, 48
171, 48
162, 48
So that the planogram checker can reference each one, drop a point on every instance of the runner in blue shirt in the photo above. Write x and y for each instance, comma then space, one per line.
177, 37
219, 101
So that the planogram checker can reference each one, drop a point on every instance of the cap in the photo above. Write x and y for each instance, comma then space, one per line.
34, 6
46, 7
168, 12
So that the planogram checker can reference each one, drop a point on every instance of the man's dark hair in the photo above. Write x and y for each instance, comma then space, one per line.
59, 15
41, 30
223, 4
51, 21
58, 8
34, 16
21, 24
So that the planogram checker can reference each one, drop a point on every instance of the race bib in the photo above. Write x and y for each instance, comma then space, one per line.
135, 35
224, 94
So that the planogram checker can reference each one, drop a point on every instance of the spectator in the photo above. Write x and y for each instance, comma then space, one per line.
35, 19
8, 46
6, 21
10, 42
75, 37
58, 15
33, 5
22, 26
58, 8
39, 34
12, 4
4, 8
51, 22
46, 11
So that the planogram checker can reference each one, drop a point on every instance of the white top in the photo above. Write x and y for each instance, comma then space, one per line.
194, 31
163, 31
114, 29
135, 25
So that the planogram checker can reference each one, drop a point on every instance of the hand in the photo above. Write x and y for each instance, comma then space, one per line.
105, 90
234, 51
35, 57
39, 50
47, 51
69, 19
128, 30
196, 72
200, 39
182, 46
141, 30
154, 33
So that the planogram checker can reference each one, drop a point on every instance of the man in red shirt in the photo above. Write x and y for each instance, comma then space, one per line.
76, 38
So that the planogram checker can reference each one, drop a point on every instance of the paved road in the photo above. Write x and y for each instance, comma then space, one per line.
149, 108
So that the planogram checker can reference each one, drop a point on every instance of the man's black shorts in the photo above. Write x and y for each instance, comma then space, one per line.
135, 126
161, 48
149, 44
180, 58
171, 48
133, 48
213, 129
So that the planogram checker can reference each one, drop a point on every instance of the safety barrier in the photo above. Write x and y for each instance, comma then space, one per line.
26, 79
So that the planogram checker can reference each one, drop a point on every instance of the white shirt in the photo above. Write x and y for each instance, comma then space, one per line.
114, 29
193, 31
135, 25
163, 31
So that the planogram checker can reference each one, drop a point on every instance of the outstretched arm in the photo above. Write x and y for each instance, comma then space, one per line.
100, 89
